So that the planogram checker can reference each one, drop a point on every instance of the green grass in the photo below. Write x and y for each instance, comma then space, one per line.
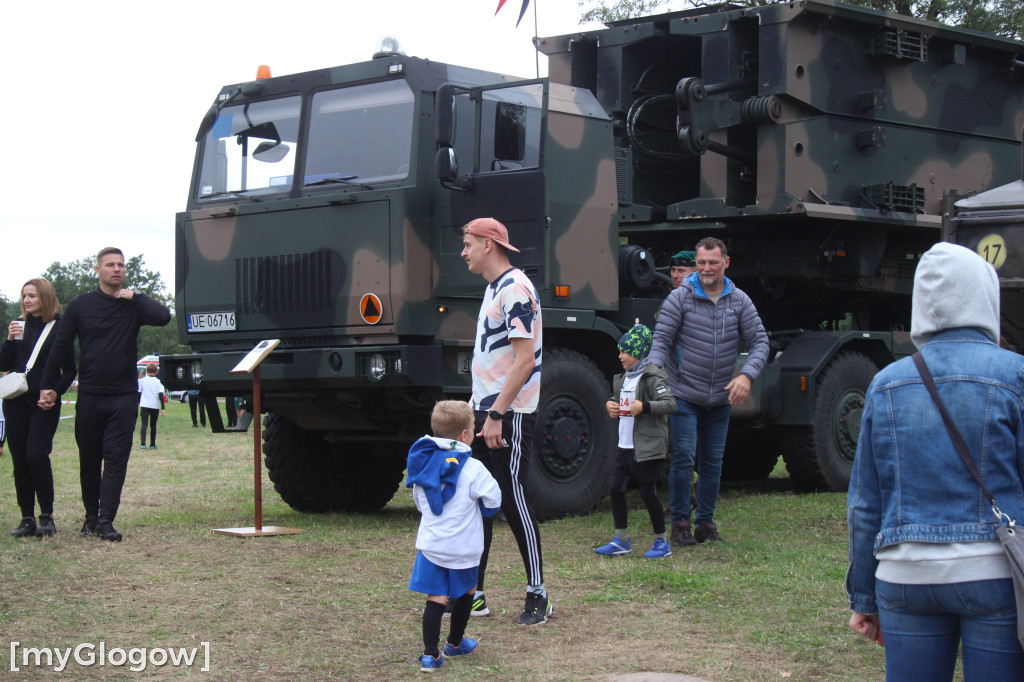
332, 603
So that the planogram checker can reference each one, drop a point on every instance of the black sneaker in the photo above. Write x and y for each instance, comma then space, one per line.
89, 527
105, 530
681, 536
706, 531
479, 607
46, 526
25, 529
537, 610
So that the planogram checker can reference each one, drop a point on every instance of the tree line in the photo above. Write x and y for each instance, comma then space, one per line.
79, 276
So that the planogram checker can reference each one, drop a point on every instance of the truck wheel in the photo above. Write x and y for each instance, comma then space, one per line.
750, 453
574, 439
820, 457
313, 475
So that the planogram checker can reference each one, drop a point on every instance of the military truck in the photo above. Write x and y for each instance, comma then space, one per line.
816, 139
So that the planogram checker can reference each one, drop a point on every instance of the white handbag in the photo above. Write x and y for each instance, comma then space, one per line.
16, 383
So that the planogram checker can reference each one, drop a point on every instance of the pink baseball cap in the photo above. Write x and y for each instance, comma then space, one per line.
489, 228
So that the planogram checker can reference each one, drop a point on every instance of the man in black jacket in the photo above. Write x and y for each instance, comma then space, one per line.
106, 322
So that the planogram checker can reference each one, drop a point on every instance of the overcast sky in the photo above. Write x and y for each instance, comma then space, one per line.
104, 99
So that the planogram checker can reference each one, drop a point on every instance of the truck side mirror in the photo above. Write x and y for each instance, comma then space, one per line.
444, 113
446, 165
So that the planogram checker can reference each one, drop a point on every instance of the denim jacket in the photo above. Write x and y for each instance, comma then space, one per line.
908, 482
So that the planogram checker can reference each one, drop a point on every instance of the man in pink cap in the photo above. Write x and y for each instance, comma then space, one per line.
506, 392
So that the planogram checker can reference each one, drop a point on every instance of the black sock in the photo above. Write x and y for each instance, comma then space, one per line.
432, 627
460, 617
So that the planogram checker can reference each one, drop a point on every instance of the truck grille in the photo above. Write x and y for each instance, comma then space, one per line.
294, 282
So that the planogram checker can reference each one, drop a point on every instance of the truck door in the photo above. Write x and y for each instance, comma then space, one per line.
497, 135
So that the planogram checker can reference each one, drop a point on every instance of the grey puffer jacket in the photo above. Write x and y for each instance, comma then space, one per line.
697, 341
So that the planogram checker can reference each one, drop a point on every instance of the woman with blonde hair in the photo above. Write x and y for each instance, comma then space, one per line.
30, 429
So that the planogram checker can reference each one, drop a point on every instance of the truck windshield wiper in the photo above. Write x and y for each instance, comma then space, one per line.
347, 180
240, 194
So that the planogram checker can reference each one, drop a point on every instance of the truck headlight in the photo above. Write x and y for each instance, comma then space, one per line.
377, 367
196, 371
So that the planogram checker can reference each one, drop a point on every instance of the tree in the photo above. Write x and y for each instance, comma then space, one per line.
80, 276
1001, 17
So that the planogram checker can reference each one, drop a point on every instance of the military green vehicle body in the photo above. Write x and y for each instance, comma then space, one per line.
816, 139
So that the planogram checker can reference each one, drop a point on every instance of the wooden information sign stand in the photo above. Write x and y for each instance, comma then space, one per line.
251, 363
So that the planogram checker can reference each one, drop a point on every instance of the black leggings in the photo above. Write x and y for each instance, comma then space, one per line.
149, 415
646, 475
30, 432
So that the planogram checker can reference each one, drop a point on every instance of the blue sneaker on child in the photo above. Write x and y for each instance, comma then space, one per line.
428, 663
466, 646
659, 550
616, 547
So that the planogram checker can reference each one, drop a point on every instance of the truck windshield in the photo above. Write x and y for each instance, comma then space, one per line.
251, 149
360, 135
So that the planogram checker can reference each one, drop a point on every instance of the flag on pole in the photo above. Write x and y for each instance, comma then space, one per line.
522, 11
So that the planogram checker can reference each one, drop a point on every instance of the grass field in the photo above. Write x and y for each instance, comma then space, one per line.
331, 603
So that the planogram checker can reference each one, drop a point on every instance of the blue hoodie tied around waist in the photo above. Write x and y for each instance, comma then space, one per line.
434, 465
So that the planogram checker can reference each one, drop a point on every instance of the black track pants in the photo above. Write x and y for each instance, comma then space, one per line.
104, 429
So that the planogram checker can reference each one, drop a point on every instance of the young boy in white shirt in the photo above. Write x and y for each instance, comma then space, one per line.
452, 491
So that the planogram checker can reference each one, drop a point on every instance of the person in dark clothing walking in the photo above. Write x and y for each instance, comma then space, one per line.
30, 429
196, 402
106, 322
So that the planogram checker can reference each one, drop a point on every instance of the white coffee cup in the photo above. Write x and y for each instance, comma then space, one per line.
19, 328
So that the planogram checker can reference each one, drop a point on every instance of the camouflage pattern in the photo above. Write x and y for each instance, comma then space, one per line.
636, 342
816, 139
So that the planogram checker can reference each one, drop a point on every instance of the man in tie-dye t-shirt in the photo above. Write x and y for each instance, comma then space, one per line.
506, 391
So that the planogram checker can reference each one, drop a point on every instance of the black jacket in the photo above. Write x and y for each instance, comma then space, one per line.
14, 356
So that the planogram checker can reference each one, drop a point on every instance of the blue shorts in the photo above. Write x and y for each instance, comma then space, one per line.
429, 578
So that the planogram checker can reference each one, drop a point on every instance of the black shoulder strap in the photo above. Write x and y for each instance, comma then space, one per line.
954, 434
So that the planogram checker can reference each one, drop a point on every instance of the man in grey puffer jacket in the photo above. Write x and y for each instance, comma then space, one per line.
696, 341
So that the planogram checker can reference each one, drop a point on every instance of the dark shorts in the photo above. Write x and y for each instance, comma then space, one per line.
429, 578
648, 471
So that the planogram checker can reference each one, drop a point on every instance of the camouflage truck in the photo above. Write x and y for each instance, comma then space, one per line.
816, 138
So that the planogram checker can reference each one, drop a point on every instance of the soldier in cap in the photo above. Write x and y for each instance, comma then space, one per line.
506, 393
681, 266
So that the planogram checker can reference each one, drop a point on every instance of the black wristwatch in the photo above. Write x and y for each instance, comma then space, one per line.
495, 415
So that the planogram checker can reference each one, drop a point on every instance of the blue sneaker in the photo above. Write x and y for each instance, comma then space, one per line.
466, 646
659, 550
428, 663
616, 547
151, 447
143, 447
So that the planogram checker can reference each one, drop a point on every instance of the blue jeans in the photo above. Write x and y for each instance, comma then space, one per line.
923, 624
696, 432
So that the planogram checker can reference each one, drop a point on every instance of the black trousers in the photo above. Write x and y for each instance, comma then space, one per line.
104, 429
193, 401
149, 415
509, 466
30, 440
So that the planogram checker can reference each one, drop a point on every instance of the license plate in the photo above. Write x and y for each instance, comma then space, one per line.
210, 322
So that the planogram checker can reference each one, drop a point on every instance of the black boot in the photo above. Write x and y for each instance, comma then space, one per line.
46, 526
26, 528
105, 529
89, 527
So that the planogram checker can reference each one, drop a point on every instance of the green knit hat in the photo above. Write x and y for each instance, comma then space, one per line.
637, 342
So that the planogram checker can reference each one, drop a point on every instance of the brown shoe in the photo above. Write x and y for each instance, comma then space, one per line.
706, 531
681, 534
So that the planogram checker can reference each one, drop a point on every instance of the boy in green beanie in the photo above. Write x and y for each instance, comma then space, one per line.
641, 401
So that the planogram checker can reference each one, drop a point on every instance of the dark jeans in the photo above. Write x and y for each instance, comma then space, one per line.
150, 415
697, 432
193, 401
509, 467
30, 440
104, 430
924, 625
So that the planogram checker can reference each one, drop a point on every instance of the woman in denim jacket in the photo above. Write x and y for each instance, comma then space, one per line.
926, 569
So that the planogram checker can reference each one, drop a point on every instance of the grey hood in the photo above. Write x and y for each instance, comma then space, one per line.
954, 287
